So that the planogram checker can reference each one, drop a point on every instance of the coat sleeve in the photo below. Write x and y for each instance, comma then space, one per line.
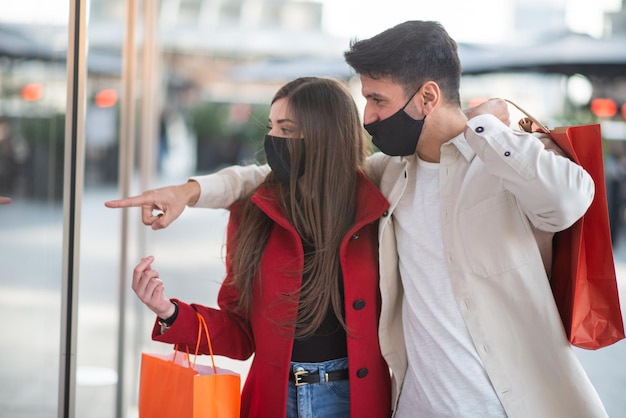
221, 189
230, 332
553, 191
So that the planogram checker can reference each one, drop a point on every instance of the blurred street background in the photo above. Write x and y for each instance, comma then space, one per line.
166, 89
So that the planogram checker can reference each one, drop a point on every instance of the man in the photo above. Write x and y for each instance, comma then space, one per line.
468, 327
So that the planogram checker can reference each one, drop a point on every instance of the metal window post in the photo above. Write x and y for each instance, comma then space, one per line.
73, 175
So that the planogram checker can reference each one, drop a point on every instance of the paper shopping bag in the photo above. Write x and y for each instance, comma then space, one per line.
172, 386
583, 279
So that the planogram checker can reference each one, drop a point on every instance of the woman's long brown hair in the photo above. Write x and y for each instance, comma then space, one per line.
320, 204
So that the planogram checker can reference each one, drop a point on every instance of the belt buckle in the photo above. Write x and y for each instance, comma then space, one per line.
298, 377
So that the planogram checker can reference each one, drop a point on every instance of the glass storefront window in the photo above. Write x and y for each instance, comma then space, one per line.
32, 128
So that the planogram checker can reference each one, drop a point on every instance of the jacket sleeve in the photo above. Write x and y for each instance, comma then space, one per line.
553, 191
221, 189
230, 332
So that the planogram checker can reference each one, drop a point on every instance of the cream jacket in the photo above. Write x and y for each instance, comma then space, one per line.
503, 196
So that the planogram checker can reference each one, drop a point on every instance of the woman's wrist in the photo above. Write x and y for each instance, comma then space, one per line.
169, 317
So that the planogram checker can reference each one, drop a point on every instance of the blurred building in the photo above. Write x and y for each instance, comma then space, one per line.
615, 22
203, 41
216, 65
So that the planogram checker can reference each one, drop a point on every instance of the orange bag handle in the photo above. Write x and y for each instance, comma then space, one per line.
527, 122
201, 324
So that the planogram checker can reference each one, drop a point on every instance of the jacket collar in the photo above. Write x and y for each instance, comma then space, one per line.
371, 204
461, 144
458, 141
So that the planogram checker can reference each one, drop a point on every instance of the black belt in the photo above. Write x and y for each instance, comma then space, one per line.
302, 377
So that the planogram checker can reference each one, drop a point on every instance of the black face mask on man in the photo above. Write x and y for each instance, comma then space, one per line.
398, 134
277, 155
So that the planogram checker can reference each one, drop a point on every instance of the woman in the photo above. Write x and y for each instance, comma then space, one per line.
301, 291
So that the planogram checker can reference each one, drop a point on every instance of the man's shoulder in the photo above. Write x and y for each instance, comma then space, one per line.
382, 161
385, 170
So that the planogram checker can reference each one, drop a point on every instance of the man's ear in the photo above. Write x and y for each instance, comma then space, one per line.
429, 97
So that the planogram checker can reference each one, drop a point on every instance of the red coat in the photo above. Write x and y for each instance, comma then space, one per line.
265, 390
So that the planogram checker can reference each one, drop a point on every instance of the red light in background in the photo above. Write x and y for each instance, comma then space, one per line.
32, 92
106, 98
603, 108
624, 110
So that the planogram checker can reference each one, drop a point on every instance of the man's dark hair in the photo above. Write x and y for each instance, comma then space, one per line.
410, 54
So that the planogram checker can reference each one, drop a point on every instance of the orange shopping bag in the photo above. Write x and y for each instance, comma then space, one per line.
172, 386
583, 280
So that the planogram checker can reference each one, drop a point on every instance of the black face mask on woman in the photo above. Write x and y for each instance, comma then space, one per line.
398, 134
277, 154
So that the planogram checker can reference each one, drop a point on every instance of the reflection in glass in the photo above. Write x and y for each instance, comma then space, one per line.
32, 123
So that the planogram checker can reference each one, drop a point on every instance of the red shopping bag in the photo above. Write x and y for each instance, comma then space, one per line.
583, 279
172, 386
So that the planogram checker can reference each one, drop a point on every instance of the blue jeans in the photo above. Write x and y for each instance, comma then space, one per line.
317, 400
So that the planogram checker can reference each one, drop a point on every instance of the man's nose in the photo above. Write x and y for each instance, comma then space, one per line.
369, 116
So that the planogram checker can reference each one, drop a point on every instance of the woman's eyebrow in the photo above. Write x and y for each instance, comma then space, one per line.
285, 120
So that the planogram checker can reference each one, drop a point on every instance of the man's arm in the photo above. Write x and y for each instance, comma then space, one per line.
222, 189
552, 190
168, 202
496, 107
218, 190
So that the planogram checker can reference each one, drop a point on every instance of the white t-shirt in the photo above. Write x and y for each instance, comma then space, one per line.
445, 377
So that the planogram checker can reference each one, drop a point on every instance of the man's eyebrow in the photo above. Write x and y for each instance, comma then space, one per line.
374, 96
